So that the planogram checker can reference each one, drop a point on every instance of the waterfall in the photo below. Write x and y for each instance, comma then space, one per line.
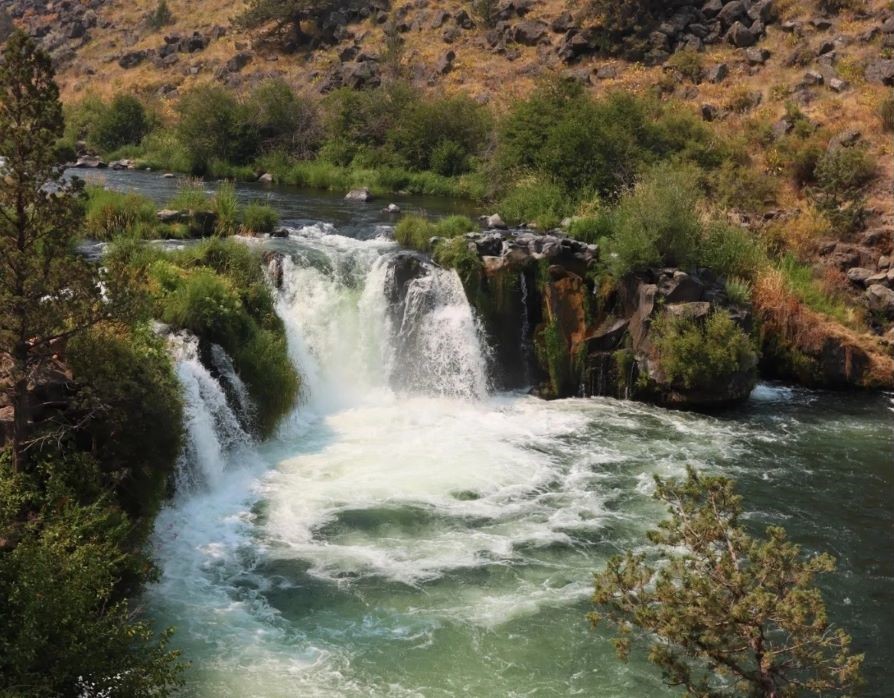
359, 322
213, 431
233, 384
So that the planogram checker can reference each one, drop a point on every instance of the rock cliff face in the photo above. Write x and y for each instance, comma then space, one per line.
553, 322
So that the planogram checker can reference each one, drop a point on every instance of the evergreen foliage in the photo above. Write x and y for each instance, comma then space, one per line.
723, 611
47, 292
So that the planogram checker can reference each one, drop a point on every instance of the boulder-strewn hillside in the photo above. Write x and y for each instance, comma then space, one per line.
758, 70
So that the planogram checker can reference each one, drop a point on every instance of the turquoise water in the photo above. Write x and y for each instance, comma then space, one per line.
437, 539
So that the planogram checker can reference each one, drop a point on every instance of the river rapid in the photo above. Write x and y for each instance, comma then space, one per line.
411, 532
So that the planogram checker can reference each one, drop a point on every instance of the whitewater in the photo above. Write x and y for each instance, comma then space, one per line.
411, 532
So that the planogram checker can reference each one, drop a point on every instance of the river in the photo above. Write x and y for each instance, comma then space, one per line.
410, 532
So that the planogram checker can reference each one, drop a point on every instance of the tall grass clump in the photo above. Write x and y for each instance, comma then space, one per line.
191, 196
259, 218
112, 213
886, 112
417, 232
226, 208
536, 201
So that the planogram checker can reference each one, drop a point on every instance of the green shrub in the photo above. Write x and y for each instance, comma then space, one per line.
842, 175
80, 118
731, 251
597, 146
536, 201
263, 364
803, 158
688, 63
452, 128
112, 213
284, 123
127, 383
355, 119
744, 187
213, 126
123, 122
657, 224
696, 355
260, 218
160, 17
217, 290
65, 628
449, 158
845, 172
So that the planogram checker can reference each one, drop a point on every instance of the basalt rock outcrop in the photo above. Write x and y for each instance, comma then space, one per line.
553, 321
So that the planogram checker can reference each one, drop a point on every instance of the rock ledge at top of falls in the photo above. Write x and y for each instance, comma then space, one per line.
555, 322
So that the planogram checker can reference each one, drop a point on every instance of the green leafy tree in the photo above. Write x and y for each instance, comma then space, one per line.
124, 122
725, 612
214, 126
47, 292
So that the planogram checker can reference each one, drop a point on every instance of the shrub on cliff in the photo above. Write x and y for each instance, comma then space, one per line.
65, 628
696, 355
842, 175
131, 402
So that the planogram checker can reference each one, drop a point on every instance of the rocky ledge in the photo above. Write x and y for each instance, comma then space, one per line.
556, 323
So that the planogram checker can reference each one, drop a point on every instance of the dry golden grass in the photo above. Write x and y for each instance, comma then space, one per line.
499, 81
795, 326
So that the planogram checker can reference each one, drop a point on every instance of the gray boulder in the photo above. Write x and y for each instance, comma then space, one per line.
881, 300
361, 194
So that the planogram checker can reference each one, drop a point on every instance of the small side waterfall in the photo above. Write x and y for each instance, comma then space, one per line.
213, 430
233, 384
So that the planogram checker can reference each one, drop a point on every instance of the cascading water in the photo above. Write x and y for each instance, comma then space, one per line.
213, 431
408, 533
